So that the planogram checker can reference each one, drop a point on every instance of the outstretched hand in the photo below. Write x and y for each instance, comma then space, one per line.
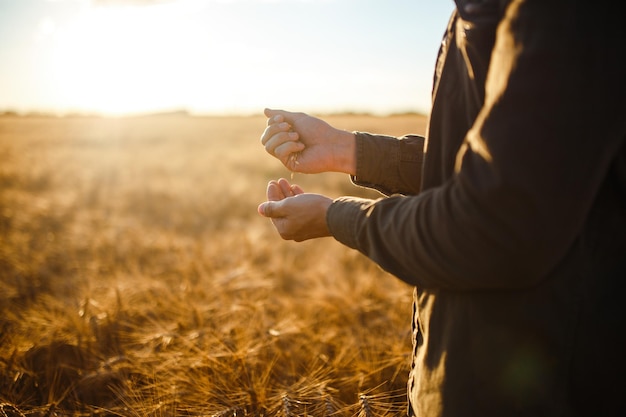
295, 214
307, 144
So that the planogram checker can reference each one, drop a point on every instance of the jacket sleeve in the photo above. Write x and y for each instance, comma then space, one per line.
388, 164
530, 167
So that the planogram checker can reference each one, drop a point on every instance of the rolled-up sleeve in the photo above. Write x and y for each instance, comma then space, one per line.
530, 167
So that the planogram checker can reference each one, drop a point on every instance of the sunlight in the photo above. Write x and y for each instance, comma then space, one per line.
124, 59
217, 56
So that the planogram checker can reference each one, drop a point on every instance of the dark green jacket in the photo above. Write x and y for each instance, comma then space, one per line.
510, 216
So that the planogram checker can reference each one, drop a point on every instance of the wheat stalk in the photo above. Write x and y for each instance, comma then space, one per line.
8, 410
366, 410
230, 412
383, 404
286, 406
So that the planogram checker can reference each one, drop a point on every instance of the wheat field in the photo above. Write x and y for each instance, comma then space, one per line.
137, 279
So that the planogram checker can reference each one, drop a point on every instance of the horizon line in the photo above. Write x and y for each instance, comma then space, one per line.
188, 113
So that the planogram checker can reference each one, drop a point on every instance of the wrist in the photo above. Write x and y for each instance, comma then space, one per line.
325, 204
345, 153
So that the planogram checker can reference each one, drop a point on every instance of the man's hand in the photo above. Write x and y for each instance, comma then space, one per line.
296, 215
307, 144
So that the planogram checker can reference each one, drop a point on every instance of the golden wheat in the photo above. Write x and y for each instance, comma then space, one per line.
136, 278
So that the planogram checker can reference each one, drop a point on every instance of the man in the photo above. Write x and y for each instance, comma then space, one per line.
509, 217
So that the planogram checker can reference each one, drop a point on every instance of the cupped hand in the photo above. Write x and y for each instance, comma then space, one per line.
296, 215
307, 144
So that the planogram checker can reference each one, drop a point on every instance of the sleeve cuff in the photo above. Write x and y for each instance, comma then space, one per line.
388, 164
377, 159
343, 218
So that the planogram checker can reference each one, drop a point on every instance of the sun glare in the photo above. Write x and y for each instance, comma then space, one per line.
123, 59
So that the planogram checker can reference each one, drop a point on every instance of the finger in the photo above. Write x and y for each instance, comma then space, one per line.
296, 189
273, 116
274, 191
275, 129
285, 187
285, 150
275, 119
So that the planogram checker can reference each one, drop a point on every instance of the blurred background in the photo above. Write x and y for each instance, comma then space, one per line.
136, 276
119, 57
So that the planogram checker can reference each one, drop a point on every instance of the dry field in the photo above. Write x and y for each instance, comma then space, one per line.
137, 279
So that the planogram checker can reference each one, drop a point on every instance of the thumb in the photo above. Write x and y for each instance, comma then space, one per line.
269, 209
287, 115
270, 112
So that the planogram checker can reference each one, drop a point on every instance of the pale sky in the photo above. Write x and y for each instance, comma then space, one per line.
219, 56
